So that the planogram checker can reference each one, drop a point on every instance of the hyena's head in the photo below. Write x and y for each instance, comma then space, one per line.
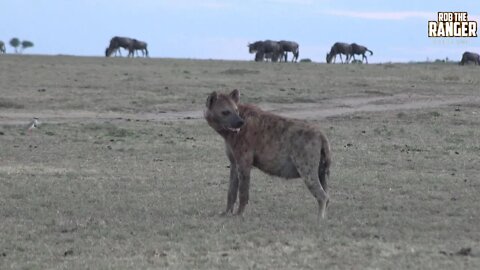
222, 112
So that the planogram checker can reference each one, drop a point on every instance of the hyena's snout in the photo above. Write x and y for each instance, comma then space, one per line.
239, 123
235, 123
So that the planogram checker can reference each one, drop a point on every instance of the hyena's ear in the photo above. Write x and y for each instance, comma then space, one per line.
211, 99
235, 95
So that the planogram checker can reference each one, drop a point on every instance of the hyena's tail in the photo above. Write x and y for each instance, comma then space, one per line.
324, 166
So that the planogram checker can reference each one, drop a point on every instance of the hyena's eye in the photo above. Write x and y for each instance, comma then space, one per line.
225, 113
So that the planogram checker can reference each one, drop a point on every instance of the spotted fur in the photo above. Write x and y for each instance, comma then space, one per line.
276, 145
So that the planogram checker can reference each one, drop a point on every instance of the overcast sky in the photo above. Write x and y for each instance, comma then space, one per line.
394, 30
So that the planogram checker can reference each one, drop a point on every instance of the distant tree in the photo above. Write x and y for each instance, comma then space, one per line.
15, 43
26, 44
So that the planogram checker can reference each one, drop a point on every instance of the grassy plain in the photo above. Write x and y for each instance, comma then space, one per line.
124, 173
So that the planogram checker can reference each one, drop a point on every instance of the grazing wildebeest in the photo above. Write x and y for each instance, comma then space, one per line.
140, 46
339, 48
115, 51
264, 48
289, 46
259, 57
279, 146
264, 57
269, 57
2, 47
470, 57
120, 42
361, 50
256, 48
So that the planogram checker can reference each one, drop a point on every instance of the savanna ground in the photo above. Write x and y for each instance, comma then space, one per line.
124, 173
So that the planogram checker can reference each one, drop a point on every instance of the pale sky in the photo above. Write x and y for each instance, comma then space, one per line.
212, 29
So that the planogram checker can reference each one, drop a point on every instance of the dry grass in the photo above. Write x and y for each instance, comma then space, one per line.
120, 193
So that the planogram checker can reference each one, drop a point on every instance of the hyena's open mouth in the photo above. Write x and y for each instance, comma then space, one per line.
234, 130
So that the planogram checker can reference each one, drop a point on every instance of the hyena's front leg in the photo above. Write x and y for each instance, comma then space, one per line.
232, 188
244, 186
244, 168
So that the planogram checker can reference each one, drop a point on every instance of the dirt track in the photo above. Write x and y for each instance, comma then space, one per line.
328, 108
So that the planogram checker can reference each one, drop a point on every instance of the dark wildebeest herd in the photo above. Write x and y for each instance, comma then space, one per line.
130, 44
275, 51
269, 50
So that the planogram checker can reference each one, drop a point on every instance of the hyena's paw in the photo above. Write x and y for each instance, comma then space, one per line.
226, 213
240, 212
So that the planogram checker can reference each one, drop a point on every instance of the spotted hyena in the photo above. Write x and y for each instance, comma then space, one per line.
279, 146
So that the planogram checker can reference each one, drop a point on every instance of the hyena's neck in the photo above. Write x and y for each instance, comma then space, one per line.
247, 110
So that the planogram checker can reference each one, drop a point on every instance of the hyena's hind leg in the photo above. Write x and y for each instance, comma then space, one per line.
307, 166
324, 175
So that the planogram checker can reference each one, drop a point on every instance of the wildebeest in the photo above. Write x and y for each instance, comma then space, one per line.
290, 46
119, 42
360, 50
256, 48
259, 57
339, 48
129, 44
279, 146
470, 57
2, 47
263, 48
140, 46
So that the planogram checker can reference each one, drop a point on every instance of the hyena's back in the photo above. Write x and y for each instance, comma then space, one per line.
282, 145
